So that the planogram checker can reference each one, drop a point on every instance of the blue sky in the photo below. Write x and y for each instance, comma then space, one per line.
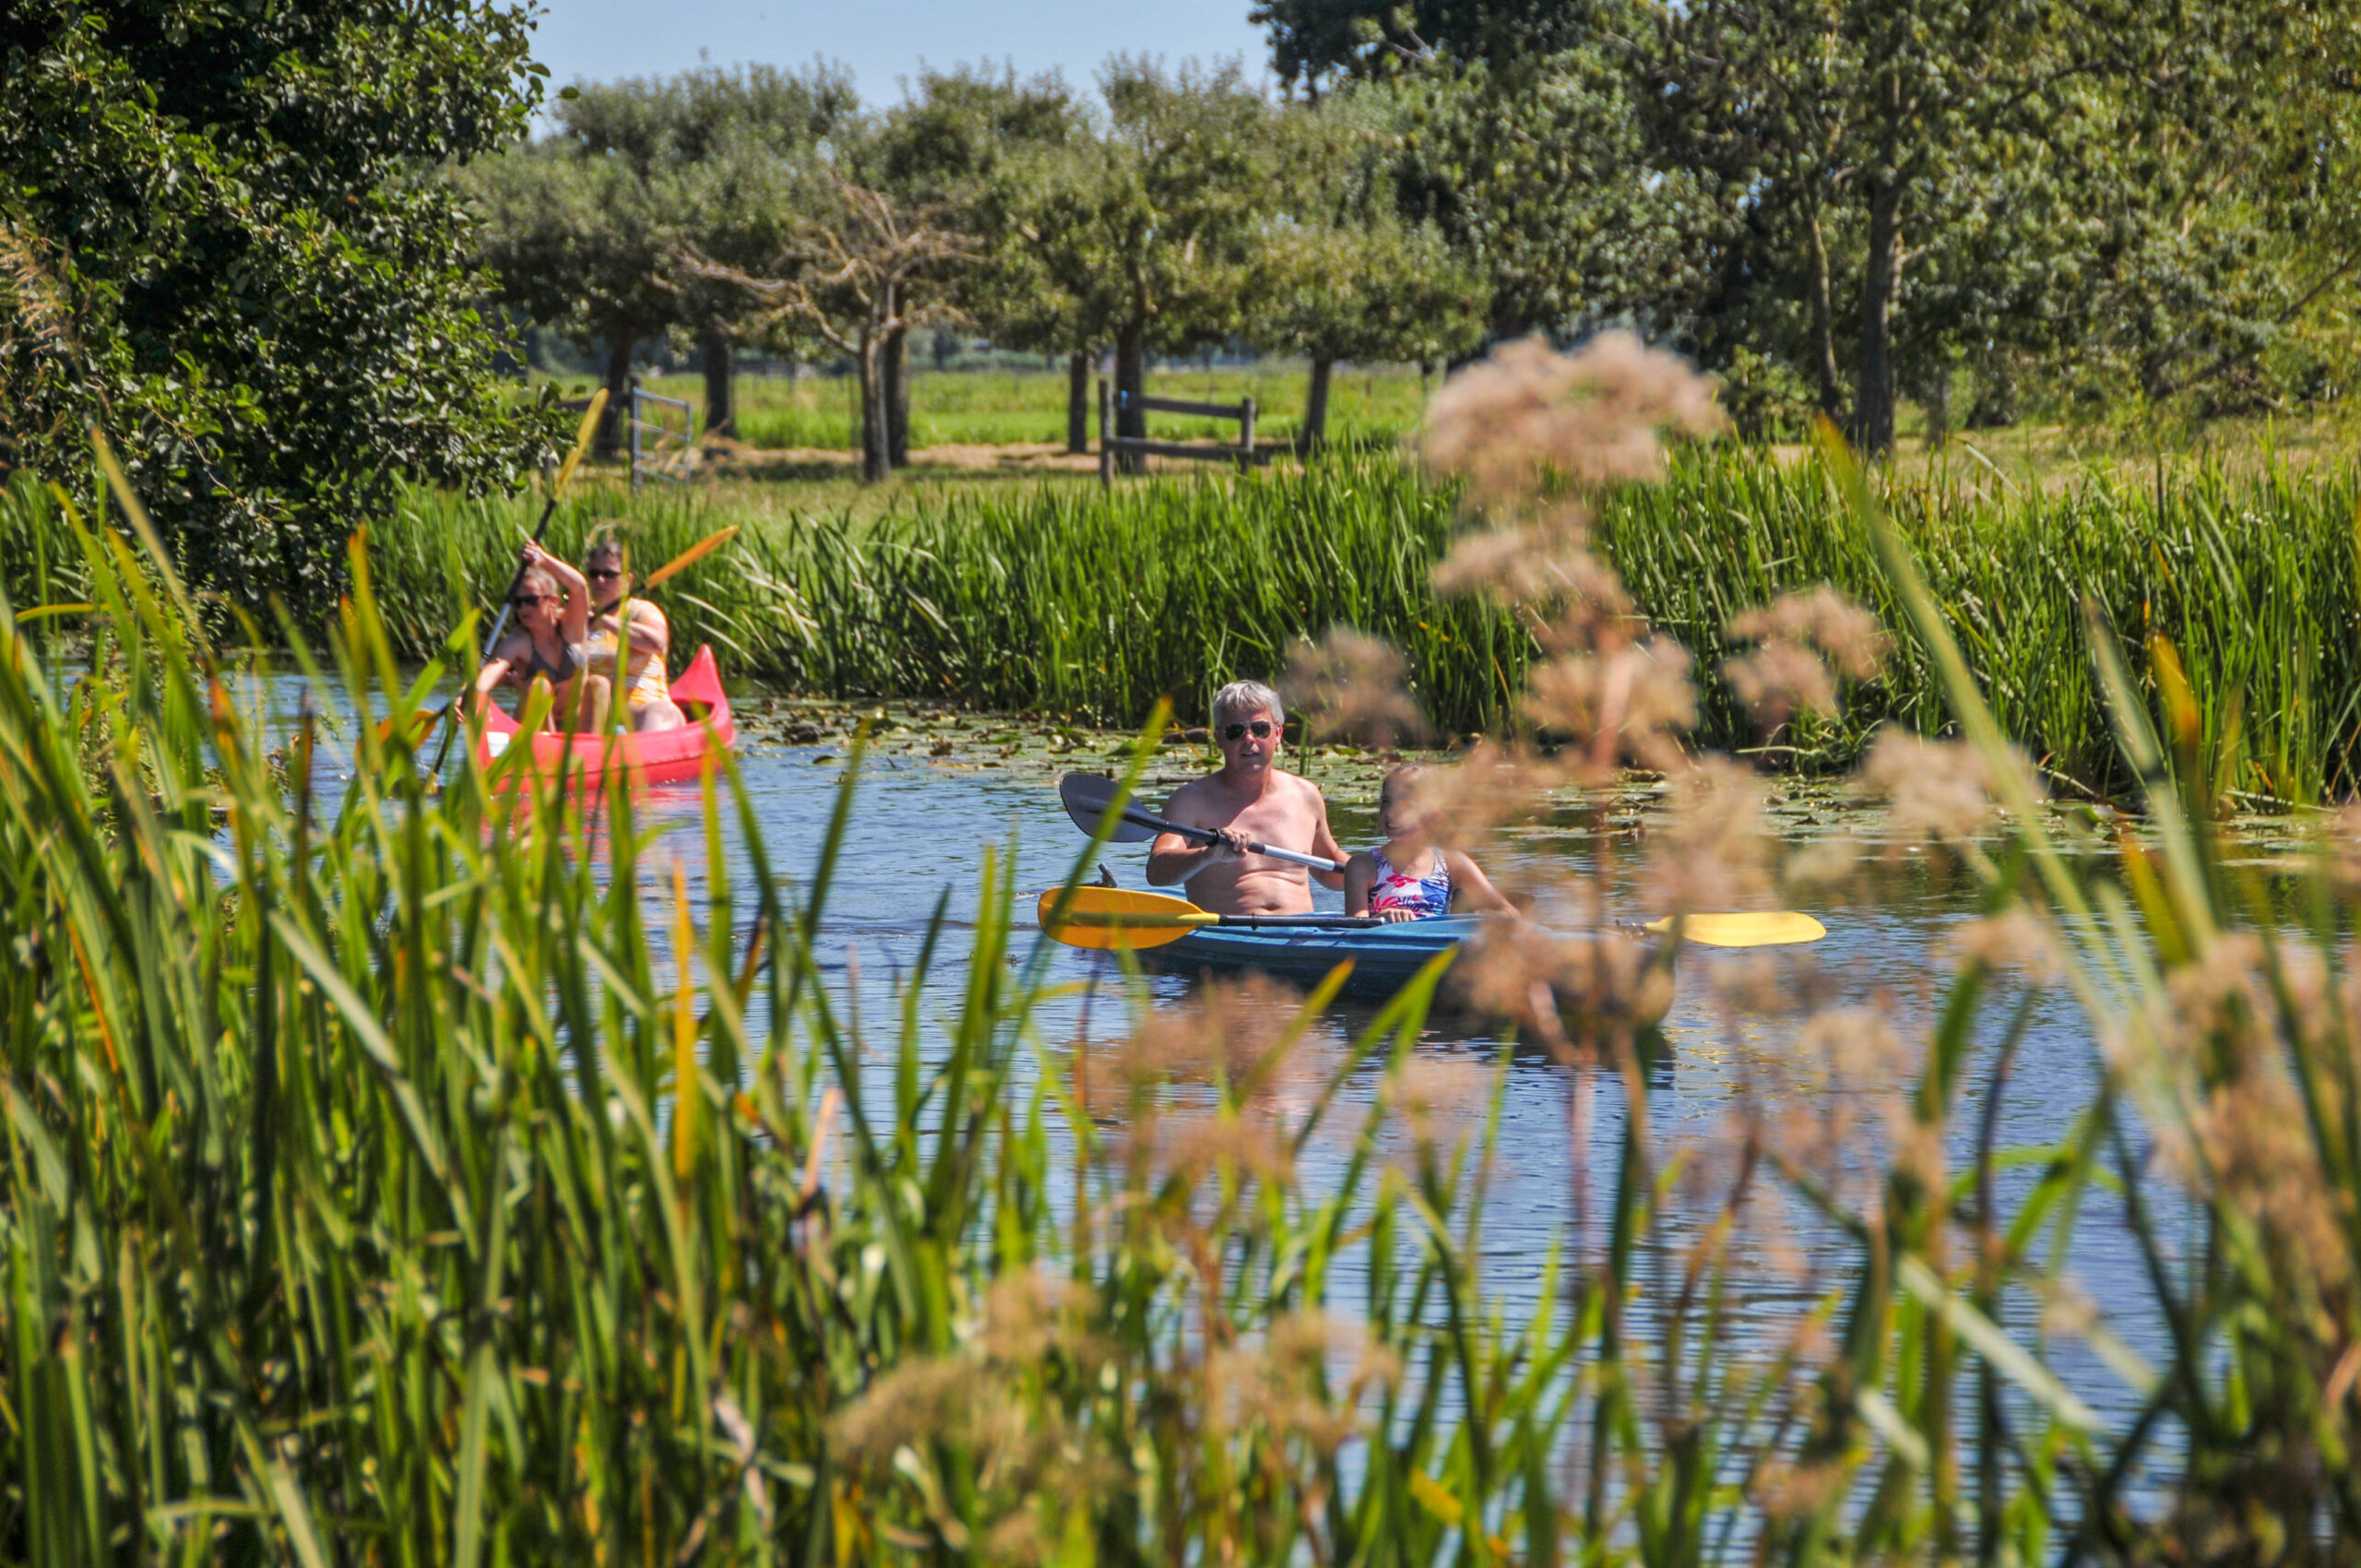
885, 40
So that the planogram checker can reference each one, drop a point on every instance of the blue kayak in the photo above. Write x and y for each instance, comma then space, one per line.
1384, 956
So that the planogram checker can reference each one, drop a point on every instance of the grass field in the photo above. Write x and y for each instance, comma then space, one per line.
1000, 408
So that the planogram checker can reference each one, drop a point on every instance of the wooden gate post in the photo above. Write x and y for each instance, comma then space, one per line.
1246, 435
1106, 429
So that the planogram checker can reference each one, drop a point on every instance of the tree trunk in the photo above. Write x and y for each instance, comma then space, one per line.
1823, 325
1130, 380
1873, 411
876, 457
1939, 408
1078, 401
611, 423
720, 367
1315, 404
898, 397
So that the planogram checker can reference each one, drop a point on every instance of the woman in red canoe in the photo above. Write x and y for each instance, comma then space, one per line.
550, 646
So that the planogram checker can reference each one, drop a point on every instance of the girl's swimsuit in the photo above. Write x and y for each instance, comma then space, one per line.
648, 682
1424, 897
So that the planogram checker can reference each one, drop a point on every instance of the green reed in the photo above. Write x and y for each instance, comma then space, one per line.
396, 1178
1055, 601
2253, 581
1052, 600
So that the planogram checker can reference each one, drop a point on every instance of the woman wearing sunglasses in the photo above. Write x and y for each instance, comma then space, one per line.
1250, 800
553, 618
647, 693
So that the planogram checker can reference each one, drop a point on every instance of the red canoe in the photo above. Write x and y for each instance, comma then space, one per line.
662, 756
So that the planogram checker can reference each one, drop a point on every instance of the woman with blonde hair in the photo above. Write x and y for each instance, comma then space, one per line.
552, 606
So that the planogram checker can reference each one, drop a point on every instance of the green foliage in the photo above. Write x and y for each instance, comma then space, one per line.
397, 1182
1057, 601
227, 244
381, 1181
1052, 600
1338, 274
585, 227
2254, 582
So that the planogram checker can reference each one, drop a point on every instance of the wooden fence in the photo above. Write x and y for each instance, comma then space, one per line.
1112, 402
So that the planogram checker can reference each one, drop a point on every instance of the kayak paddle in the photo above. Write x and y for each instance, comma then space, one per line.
1776, 928
1107, 918
690, 557
1089, 798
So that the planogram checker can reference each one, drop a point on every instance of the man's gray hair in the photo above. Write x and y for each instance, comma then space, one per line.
1241, 697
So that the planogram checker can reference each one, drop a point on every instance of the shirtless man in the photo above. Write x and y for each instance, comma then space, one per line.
1250, 800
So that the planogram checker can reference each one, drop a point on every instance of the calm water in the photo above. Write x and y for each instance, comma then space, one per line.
920, 828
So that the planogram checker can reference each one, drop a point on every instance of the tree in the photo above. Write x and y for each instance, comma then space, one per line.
857, 273
1966, 138
583, 226
714, 148
1160, 213
1534, 172
1339, 275
965, 145
1317, 42
579, 244
232, 252
985, 145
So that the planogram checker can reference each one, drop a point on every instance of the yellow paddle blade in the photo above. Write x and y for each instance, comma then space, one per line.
1777, 929
1112, 918
422, 723
581, 440
692, 555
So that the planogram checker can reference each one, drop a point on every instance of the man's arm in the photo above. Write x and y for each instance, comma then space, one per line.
1174, 858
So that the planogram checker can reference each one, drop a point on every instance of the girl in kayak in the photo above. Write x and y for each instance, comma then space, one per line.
1411, 877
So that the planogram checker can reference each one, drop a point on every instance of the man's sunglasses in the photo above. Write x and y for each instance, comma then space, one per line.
598, 573
1261, 728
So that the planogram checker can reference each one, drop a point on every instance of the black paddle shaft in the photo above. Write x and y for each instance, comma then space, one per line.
499, 625
1089, 798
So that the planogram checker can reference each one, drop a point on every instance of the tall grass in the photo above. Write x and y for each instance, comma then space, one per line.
386, 1182
1058, 601
2253, 581
395, 1180
1052, 600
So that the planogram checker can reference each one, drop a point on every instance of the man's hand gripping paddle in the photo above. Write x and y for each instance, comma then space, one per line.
1089, 799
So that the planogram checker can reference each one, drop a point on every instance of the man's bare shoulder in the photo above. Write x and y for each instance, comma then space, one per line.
1304, 789
1196, 796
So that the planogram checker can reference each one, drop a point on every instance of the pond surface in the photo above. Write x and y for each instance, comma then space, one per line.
940, 789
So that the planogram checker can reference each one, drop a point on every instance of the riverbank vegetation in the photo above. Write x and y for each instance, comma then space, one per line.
1050, 598
393, 1177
